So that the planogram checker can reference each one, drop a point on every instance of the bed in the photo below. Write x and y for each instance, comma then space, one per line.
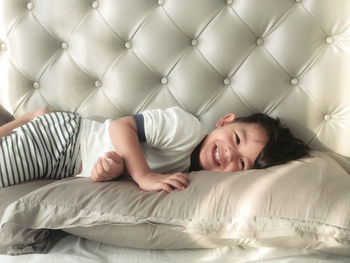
112, 58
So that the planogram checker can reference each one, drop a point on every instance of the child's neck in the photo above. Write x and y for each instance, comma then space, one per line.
195, 164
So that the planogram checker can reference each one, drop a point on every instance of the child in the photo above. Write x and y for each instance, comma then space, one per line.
154, 147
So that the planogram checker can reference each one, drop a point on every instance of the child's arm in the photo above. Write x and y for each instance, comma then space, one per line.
123, 135
6, 129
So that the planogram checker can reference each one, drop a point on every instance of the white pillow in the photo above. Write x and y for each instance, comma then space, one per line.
303, 204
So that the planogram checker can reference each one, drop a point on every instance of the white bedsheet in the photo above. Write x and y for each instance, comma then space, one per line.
73, 249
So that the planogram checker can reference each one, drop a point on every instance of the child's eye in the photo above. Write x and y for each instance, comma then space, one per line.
238, 140
242, 164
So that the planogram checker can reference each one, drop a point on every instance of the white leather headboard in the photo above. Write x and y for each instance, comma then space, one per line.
110, 58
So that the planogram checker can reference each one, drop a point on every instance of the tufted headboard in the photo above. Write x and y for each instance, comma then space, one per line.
111, 58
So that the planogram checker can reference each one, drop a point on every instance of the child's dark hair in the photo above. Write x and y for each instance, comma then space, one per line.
281, 146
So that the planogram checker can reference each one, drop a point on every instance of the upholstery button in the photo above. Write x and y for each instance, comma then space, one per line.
229, 2
294, 81
95, 4
3, 46
194, 42
260, 41
128, 45
98, 83
161, 2
36, 85
64, 45
327, 117
227, 81
330, 40
164, 80
30, 5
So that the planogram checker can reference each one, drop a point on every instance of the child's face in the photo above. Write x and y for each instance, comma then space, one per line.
232, 146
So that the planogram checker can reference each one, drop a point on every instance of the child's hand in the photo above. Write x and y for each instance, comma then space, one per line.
107, 168
157, 182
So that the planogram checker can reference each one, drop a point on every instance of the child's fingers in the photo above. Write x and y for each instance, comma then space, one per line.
113, 155
182, 177
99, 166
165, 187
174, 182
95, 173
105, 165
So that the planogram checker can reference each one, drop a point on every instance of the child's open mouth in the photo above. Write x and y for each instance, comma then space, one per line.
216, 155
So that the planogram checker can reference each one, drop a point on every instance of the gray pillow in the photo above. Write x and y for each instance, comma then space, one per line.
303, 204
15, 239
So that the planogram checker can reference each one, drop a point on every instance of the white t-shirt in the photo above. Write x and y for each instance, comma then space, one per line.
171, 136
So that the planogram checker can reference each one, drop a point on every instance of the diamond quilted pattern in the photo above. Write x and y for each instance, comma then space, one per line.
262, 17
295, 108
225, 101
10, 12
125, 17
60, 24
130, 78
286, 39
332, 18
103, 107
110, 58
227, 42
24, 87
191, 19
23, 46
325, 95
254, 70
326, 135
160, 37
56, 84
187, 85
93, 36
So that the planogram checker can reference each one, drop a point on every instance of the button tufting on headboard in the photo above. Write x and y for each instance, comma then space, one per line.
95, 4
30, 5
112, 58
3, 46
64, 45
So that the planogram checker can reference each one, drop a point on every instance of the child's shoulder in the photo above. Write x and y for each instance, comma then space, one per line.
180, 111
175, 117
174, 113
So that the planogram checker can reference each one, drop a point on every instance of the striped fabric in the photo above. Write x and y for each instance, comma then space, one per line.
46, 147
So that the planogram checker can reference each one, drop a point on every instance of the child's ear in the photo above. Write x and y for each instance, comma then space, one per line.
228, 118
